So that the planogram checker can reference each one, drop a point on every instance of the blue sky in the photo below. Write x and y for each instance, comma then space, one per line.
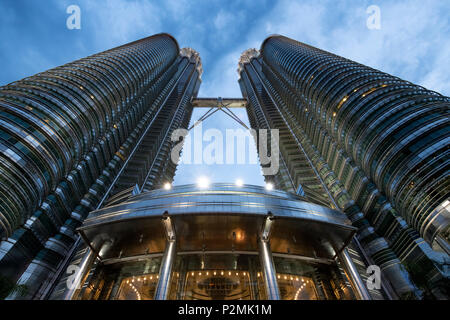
413, 42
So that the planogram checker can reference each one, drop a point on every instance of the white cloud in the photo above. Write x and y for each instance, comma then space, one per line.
223, 78
438, 78
223, 19
117, 22
412, 43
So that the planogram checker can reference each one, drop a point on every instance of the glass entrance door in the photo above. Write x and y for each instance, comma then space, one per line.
220, 276
218, 285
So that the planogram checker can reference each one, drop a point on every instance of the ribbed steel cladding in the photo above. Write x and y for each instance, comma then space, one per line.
50, 122
262, 123
381, 121
302, 173
314, 186
339, 111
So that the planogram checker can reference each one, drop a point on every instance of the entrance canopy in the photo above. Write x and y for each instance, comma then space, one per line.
223, 217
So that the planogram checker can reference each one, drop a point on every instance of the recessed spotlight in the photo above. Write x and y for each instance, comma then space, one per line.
269, 186
203, 182
167, 186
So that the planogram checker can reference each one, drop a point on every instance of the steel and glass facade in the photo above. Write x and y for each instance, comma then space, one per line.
362, 141
74, 137
85, 150
221, 242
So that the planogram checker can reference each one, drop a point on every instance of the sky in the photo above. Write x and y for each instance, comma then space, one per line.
412, 42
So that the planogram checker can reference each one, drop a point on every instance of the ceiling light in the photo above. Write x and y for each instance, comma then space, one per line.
167, 186
203, 182
269, 186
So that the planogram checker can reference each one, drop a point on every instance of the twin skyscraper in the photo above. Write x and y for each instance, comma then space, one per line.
363, 181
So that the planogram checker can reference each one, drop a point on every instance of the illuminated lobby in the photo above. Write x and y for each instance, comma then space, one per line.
219, 241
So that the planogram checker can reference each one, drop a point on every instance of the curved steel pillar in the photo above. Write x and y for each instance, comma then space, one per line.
165, 272
85, 265
265, 256
357, 283
268, 268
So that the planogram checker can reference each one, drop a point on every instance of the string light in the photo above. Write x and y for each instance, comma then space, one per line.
135, 291
297, 294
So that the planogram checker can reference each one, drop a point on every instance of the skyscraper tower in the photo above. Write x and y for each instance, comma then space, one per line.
365, 142
79, 135
87, 209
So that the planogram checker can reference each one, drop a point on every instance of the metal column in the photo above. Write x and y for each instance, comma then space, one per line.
267, 265
357, 283
99, 246
165, 272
